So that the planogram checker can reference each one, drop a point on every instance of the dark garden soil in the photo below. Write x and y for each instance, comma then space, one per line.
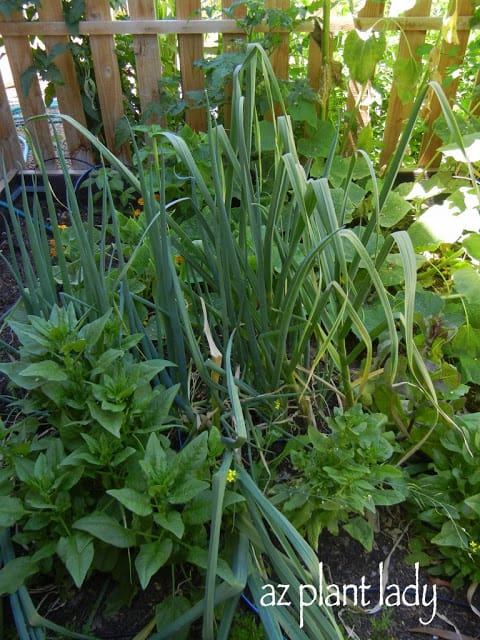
345, 562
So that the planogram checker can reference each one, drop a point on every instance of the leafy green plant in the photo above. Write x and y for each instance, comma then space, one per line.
88, 415
279, 296
346, 470
447, 491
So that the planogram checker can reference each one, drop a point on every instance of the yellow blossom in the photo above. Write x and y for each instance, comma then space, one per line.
277, 405
231, 475
136, 212
63, 226
141, 201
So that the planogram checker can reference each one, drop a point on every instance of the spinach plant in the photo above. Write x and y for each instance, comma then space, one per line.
89, 473
343, 472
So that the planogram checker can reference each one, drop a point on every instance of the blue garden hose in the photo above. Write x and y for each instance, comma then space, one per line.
21, 214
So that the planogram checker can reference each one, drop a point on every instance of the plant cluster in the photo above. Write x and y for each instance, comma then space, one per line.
342, 472
233, 307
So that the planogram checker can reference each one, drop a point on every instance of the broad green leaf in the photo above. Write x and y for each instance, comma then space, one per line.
406, 74
394, 210
474, 503
154, 464
199, 510
14, 371
76, 553
151, 557
170, 610
392, 271
360, 530
450, 535
11, 510
110, 421
172, 522
365, 139
47, 369
122, 455
472, 245
466, 342
199, 557
442, 223
185, 489
303, 110
15, 572
470, 367
362, 52
193, 455
319, 143
105, 528
150, 368
471, 142
467, 283
91, 332
134, 501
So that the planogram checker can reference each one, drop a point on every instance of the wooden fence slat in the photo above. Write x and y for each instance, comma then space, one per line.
190, 30
451, 54
68, 94
147, 57
10, 148
192, 27
190, 49
107, 75
398, 112
20, 59
279, 56
358, 95
232, 42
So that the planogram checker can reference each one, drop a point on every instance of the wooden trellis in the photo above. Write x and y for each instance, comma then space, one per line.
190, 32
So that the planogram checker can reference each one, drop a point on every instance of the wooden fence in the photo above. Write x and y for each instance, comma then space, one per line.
190, 35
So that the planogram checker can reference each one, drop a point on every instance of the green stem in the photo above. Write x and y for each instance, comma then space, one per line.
345, 373
326, 56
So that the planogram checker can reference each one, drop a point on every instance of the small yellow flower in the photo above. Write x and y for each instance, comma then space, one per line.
474, 546
178, 259
136, 212
53, 250
276, 405
63, 226
231, 475
141, 202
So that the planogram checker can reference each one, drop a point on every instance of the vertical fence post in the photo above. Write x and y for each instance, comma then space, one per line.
190, 49
356, 104
231, 42
68, 93
147, 58
451, 54
398, 111
107, 75
10, 149
279, 56
20, 59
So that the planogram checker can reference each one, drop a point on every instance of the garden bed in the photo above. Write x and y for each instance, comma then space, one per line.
90, 609
246, 341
